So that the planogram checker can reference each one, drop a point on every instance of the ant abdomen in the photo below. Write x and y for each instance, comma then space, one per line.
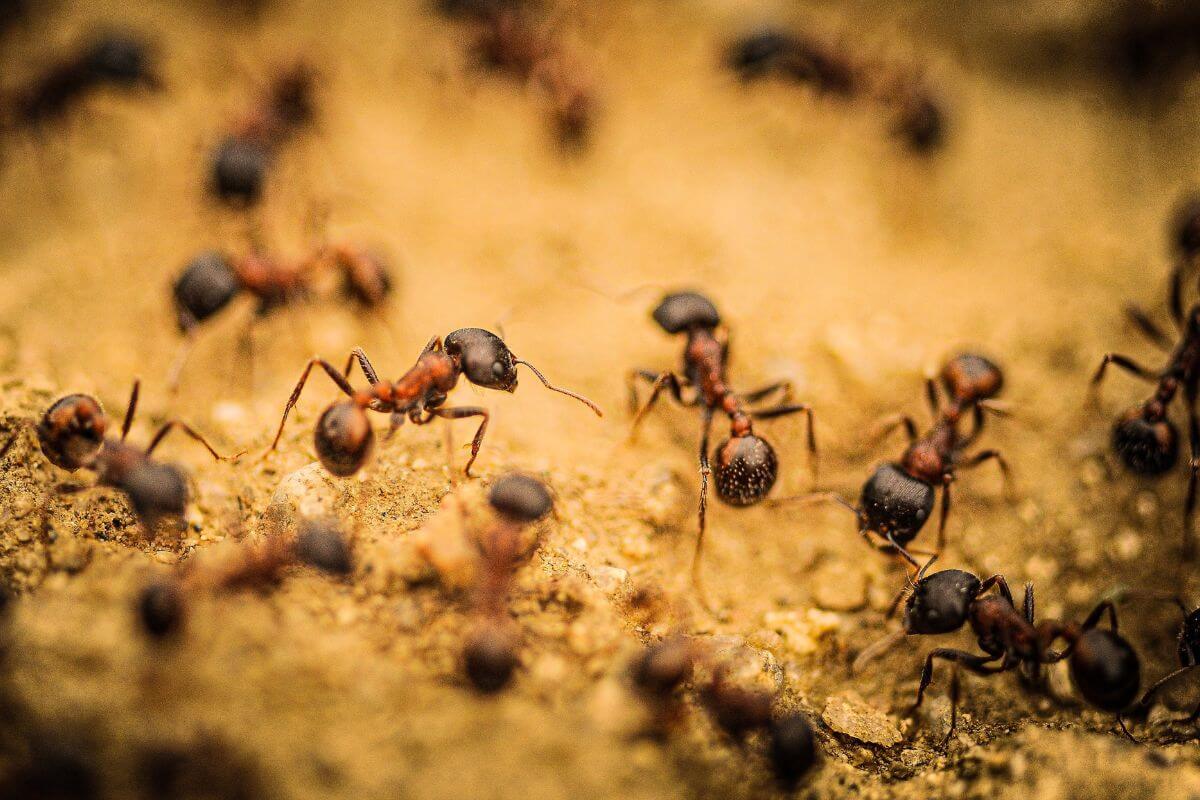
970, 378
682, 311
207, 285
239, 168
485, 358
793, 748
490, 658
71, 432
321, 545
156, 490
940, 602
744, 469
1147, 446
663, 667
161, 608
521, 498
1105, 669
344, 438
894, 502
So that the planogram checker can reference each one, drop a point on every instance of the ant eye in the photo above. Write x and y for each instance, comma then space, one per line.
498, 369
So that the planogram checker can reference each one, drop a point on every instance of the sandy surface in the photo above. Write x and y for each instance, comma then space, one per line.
839, 261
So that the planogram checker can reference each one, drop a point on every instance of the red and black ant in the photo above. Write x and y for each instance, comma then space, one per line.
343, 436
114, 58
1104, 668
1144, 437
71, 437
490, 653
744, 466
213, 279
898, 499
240, 162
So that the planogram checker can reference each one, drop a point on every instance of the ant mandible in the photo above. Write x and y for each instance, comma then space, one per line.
344, 437
744, 466
1104, 667
899, 497
71, 436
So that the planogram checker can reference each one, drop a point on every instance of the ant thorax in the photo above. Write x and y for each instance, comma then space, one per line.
924, 460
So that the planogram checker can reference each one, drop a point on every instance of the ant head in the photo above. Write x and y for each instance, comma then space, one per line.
744, 469
756, 53
156, 490
939, 603
344, 438
118, 57
206, 286
793, 749
1105, 669
239, 168
895, 502
1189, 640
484, 358
160, 608
663, 666
1185, 226
683, 311
71, 432
320, 544
969, 378
490, 658
521, 498
1145, 444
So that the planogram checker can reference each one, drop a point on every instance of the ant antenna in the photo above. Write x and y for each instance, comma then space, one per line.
923, 570
554, 388
131, 409
876, 649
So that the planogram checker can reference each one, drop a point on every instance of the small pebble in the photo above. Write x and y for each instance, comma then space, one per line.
849, 715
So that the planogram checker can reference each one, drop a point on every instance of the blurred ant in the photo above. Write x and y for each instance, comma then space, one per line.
1185, 227
665, 666
490, 653
898, 498
240, 162
1188, 649
114, 58
161, 604
1143, 436
744, 466
343, 435
213, 279
1104, 667
71, 437
508, 41
769, 52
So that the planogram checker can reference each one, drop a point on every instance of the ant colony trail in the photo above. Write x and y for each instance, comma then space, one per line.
629, 400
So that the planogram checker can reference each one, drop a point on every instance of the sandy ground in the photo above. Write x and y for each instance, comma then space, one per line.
840, 262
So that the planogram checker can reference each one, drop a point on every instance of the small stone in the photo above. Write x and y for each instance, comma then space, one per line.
308, 492
70, 554
849, 715
803, 631
610, 580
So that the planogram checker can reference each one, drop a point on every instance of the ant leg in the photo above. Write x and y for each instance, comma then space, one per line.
663, 380
467, 411
955, 689
979, 664
1175, 295
885, 425
783, 387
334, 376
1028, 607
631, 379
1144, 703
796, 408
183, 426
364, 363
131, 408
1126, 363
941, 540
1189, 505
395, 420
705, 471
933, 398
1102, 608
992, 455
1141, 320
175, 373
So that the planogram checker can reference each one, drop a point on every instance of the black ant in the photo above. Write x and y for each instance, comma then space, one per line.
1104, 667
213, 279
71, 437
1143, 436
1188, 649
898, 499
114, 58
162, 603
490, 653
744, 466
343, 435
241, 160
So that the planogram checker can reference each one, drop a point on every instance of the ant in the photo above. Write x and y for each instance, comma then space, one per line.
161, 604
490, 654
1104, 667
744, 466
211, 280
343, 435
71, 437
1143, 436
240, 162
770, 51
115, 58
1188, 649
659, 672
899, 497
1185, 227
